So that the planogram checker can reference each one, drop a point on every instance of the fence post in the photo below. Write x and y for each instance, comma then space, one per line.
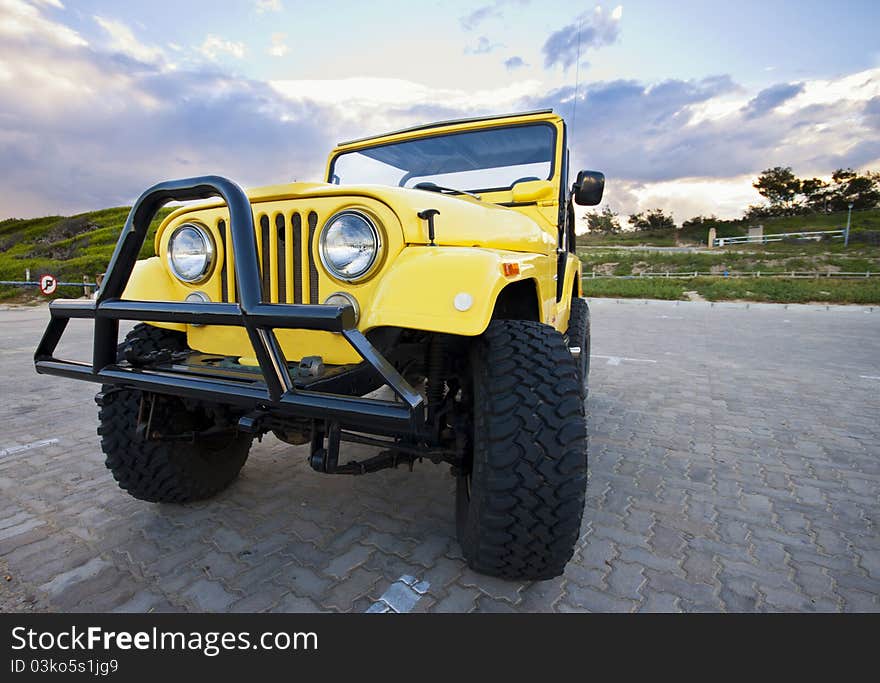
27, 274
87, 291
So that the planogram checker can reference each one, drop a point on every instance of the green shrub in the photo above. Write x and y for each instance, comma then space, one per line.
788, 290
637, 288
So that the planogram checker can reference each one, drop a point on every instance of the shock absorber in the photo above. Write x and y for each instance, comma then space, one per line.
436, 374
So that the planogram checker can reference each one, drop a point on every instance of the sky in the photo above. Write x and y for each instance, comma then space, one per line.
680, 103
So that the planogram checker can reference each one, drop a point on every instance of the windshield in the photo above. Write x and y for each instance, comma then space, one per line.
476, 161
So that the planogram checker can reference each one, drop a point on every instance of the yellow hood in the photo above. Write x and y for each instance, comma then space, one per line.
463, 221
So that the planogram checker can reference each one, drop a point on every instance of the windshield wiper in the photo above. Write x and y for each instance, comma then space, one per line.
434, 187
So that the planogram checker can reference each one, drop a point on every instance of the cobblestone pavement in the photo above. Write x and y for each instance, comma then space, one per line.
734, 464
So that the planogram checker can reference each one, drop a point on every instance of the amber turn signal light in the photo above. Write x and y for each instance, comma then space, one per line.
510, 269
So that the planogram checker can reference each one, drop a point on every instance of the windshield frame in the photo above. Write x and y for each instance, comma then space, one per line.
554, 151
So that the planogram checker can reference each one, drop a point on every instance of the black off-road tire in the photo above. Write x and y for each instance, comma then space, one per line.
519, 510
164, 471
578, 335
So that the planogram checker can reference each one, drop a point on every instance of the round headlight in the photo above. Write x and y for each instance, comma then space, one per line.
349, 245
191, 252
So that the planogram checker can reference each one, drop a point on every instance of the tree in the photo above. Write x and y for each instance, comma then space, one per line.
849, 187
779, 186
653, 219
788, 195
605, 222
815, 192
698, 222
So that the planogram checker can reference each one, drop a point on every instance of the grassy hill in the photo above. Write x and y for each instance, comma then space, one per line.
68, 247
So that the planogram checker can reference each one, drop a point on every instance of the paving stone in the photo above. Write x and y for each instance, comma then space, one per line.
65, 580
400, 597
209, 596
591, 600
342, 565
625, 580
654, 601
342, 595
500, 589
542, 596
219, 565
458, 599
142, 602
268, 595
296, 604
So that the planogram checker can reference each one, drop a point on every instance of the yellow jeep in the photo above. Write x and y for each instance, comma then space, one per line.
436, 261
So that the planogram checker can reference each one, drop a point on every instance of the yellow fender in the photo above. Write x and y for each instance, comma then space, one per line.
573, 274
450, 289
151, 281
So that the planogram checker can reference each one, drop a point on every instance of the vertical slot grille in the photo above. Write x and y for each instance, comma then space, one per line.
264, 257
297, 259
285, 251
281, 242
224, 277
313, 269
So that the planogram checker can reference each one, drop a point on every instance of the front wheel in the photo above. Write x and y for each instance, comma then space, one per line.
520, 495
166, 471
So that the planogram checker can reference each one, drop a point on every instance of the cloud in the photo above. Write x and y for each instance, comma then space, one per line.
18, 18
213, 46
699, 134
263, 6
872, 113
480, 14
122, 40
493, 10
371, 105
514, 62
483, 46
770, 98
278, 48
103, 125
588, 31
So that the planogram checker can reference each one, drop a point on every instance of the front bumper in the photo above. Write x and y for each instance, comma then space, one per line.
276, 394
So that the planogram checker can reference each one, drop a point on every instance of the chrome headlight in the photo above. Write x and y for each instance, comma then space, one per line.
191, 253
350, 245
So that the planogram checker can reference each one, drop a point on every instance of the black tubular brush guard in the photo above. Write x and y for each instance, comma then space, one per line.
279, 396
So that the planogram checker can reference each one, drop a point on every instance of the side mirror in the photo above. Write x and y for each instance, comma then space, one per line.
588, 189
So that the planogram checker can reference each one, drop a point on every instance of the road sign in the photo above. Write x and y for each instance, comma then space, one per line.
48, 284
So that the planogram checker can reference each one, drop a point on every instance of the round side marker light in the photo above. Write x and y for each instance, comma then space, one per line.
463, 301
